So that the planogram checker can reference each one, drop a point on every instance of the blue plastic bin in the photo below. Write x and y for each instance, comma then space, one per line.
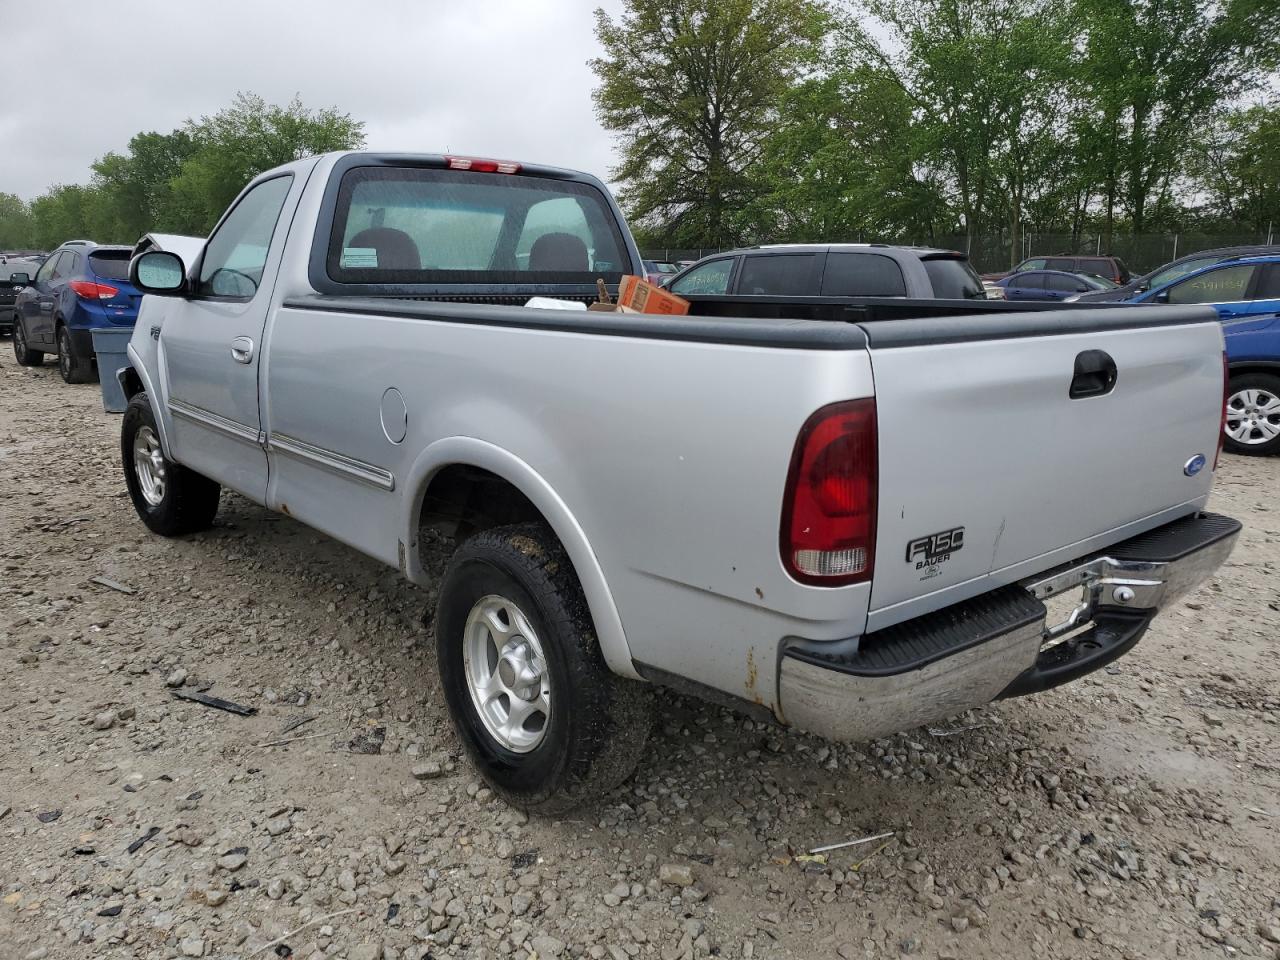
112, 348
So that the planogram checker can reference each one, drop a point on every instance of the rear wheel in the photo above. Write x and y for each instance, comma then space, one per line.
73, 367
25, 356
170, 499
1253, 415
542, 717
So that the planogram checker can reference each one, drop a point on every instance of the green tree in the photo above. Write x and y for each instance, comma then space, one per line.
136, 185
236, 144
845, 164
693, 88
17, 231
981, 78
1151, 73
1236, 162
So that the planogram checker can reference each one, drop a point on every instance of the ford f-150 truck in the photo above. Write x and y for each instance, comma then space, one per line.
852, 520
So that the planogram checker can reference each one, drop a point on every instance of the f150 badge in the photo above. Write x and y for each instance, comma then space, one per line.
931, 552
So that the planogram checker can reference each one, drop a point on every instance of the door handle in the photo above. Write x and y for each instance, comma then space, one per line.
1094, 376
242, 350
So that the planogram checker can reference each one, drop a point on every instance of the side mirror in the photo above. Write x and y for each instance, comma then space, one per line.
158, 272
1081, 288
1161, 297
19, 279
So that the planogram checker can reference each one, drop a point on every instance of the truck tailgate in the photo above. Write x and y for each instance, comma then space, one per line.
990, 470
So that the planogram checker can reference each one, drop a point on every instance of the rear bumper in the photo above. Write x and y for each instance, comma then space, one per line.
1001, 644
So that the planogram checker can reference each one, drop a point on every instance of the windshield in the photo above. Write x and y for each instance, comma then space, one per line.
426, 225
1100, 283
1175, 270
953, 279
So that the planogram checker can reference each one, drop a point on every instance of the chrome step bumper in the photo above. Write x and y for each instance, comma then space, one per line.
1002, 644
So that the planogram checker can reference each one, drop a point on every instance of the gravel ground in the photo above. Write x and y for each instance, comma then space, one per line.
1133, 814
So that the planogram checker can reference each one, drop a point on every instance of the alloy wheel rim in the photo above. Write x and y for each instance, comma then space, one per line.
149, 465
1253, 416
507, 674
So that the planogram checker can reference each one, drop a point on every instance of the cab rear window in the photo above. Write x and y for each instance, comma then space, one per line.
953, 279
424, 225
110, 264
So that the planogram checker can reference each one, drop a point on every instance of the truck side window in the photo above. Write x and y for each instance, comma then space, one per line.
1226, 285
237, 252
778, 275
711, 279
862, 275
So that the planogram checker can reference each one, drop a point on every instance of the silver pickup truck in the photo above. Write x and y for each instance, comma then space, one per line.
852, 524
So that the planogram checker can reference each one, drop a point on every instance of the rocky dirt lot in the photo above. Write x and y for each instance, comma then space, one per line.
1134, 814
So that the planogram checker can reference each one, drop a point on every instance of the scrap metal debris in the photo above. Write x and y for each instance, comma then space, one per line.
293, 723
369, 742
137, 844
112, 584
215, 702
48, 816
852, 843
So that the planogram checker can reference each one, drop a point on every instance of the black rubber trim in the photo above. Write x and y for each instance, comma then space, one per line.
916, 643
994, 325
1110, 637
787, 334
692, 688
1176, 540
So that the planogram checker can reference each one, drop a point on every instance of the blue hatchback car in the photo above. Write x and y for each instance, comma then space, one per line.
1246, 294
81, 286
1051, 285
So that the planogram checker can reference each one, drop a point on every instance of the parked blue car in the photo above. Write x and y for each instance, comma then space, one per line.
1051, 285
81, 286
1246, 294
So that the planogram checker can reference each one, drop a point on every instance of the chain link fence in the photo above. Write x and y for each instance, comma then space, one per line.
1141, 253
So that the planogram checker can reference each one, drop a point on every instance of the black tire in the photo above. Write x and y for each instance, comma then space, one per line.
598, 722
1238, 409
25, 356
188, 501
73, 367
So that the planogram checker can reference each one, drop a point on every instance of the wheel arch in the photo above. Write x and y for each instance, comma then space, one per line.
1241, 367
450, 462
134, 379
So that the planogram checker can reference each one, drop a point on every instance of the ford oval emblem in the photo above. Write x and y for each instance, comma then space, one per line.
1194, 465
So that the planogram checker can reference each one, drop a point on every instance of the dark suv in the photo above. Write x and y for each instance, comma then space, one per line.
832, 270
15, 273
1110, 268
81, 286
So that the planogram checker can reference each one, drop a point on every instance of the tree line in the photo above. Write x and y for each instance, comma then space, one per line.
907, 120
176, 182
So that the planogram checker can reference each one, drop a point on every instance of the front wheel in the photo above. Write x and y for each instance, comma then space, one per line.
170, 499
1253, 415
73, 367
25, 356
542, 717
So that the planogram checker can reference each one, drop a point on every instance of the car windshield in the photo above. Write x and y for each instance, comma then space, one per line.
1175, 270
1100, 283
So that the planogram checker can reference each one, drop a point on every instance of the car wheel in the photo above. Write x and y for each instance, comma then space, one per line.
541, 716
25, 356
170, 499
1253, 415
73, 367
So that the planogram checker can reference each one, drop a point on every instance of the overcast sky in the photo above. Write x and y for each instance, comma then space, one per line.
501, 78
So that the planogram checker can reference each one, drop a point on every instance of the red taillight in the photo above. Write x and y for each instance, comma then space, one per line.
482, 166
829, 514
88, 290
1226, 395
